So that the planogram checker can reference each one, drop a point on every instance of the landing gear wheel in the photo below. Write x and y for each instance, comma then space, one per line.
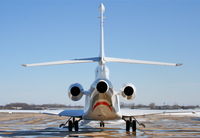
134, 125
70, 125
76, 125
102, 124
128, 125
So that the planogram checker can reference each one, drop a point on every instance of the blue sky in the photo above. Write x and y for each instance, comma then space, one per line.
49, 30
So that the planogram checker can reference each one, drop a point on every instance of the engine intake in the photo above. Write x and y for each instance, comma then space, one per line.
128, 91
102, 86
75, 92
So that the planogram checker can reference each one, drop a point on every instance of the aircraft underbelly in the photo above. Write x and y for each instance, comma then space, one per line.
102, 113
102, 106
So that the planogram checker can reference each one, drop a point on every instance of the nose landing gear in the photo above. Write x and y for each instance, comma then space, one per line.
102, 124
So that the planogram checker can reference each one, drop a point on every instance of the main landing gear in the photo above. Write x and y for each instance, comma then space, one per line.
130, 123
72, 123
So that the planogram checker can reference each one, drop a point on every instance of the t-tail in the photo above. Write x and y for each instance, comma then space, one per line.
102, 59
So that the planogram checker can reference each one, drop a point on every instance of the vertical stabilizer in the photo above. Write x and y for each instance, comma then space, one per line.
102, 10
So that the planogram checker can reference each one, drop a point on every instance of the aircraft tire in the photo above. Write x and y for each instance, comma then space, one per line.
128, 125
102, 124
76, 127
134, 125
70, 125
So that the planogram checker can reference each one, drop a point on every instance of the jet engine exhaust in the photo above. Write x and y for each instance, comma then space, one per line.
102, 87
75, 92
128, 91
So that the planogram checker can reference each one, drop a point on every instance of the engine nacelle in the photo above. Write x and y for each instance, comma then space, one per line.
128, 91
75, 92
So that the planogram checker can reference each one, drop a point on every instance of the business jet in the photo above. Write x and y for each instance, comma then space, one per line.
101, 101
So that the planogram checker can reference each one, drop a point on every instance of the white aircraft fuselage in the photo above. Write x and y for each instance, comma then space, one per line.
102, 106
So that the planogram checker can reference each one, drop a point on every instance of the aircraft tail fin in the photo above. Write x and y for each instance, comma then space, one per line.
102, 54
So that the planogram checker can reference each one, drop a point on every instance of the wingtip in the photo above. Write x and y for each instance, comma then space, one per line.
24, 65
179, 64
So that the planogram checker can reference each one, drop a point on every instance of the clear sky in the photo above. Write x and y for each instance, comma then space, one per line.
50, 30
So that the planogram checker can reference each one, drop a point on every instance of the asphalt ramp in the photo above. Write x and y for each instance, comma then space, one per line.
40, 125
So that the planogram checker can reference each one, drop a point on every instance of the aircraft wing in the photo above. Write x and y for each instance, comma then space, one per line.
143, 112
72, 113
139, 112
133, 61
69, 113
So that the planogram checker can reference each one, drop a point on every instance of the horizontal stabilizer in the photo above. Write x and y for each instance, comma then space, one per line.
73, 61
98, 59
109, 59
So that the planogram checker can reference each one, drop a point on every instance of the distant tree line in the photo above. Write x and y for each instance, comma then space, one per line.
25, 106
158, 107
